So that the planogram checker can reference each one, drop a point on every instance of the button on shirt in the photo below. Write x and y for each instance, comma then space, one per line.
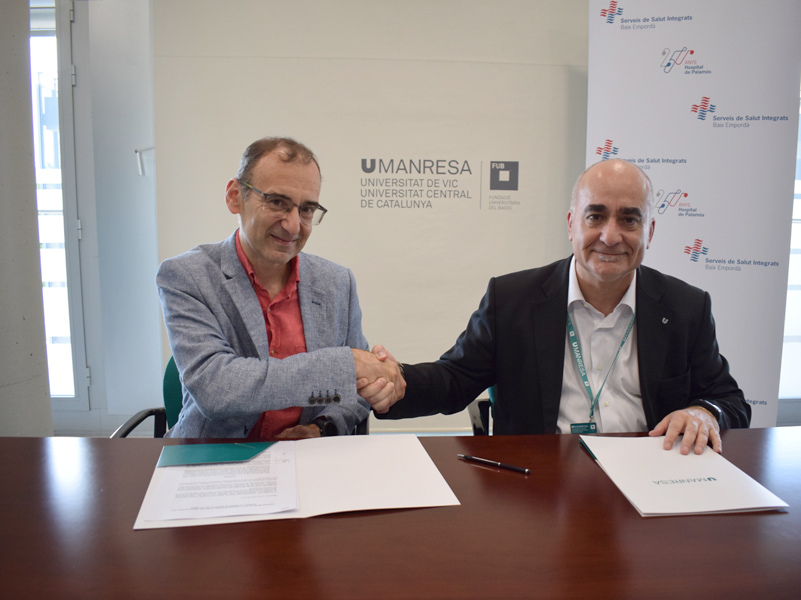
619, 408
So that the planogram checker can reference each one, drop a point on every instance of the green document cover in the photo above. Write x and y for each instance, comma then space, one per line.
201, 454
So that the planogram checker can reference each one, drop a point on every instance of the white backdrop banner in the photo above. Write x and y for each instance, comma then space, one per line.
704, 97
449, 135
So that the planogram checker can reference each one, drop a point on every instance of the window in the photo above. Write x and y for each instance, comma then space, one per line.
55, 200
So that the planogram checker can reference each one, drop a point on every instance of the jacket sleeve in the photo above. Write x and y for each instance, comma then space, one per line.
709, 374
348, 416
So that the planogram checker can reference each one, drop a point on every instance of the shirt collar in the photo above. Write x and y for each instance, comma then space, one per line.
574, 291
294, 271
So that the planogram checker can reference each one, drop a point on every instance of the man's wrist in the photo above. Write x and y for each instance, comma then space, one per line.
326, 426
710, 407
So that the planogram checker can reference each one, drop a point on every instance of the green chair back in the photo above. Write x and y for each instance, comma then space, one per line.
173, 393
492, 391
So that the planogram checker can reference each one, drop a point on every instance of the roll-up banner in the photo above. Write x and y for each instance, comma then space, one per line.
703, 96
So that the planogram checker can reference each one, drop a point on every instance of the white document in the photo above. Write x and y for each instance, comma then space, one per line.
264, 484
662, 482
340, 474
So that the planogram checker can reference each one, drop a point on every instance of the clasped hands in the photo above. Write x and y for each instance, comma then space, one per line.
378, 378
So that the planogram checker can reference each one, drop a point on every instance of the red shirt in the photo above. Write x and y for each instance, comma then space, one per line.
284, 325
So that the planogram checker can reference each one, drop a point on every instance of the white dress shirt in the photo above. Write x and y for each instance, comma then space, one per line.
619, 408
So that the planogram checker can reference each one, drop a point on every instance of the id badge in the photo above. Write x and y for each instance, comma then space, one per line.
583, 428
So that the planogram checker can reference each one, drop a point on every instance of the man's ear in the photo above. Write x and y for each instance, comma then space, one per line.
233, 197
651, 233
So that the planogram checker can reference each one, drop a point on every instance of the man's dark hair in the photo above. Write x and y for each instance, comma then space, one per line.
287, 149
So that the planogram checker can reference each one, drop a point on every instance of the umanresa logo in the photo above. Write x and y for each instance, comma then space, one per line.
696, 250
607, 151
703, 108
613, 11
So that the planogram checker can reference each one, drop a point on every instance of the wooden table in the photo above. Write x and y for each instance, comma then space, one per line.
68, 506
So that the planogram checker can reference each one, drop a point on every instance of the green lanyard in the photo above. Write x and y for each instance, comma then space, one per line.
576, 346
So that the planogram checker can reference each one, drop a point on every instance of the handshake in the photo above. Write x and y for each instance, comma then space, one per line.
379, 378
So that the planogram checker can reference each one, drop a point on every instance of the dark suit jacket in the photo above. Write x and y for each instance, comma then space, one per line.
516, 340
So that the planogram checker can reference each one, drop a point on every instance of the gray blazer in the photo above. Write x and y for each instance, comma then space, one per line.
218, 338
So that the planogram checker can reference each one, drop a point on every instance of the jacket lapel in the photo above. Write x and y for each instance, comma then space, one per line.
313, 305
239, 288
654, 322
549, 322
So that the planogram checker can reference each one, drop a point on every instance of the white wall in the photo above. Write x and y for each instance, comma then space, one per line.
24, 394
471, 81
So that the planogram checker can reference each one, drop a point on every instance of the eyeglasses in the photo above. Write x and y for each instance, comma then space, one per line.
310, 213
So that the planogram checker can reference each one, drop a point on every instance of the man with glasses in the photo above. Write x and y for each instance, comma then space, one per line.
267, 339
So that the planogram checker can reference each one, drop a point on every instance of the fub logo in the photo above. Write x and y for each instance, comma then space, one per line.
503, 175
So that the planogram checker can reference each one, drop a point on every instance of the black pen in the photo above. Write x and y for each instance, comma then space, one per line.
493, 463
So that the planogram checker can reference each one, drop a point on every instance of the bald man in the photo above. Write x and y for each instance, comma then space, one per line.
594, 343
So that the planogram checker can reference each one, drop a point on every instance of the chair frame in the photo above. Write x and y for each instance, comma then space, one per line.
479, 413
159, 425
